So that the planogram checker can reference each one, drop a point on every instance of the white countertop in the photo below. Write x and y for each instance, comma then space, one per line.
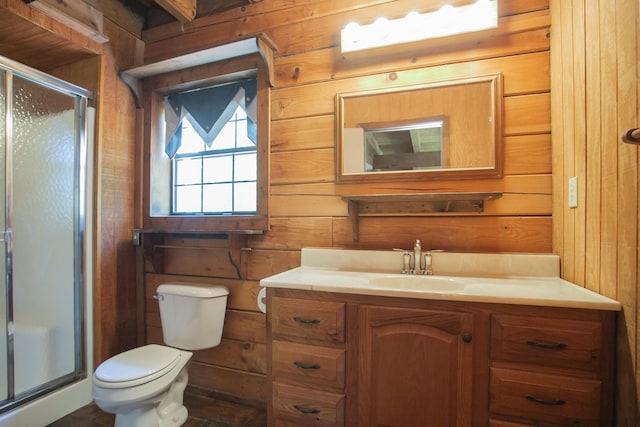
330, 270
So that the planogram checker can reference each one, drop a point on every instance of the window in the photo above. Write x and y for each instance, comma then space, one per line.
215, 179
206, 150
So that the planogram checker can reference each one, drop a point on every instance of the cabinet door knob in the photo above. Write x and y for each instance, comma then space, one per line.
467, 338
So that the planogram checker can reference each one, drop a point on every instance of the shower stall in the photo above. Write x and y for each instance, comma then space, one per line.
45, 285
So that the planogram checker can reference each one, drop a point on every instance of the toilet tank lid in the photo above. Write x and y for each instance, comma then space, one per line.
195, 290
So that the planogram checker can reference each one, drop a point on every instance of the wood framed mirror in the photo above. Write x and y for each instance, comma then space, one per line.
442, 130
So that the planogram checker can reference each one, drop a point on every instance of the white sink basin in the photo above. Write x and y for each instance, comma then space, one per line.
416, 282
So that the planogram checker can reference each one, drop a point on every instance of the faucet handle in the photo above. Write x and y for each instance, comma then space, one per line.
406, 260
428, 261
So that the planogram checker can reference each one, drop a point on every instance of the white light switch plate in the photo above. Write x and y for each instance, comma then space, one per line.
573, 192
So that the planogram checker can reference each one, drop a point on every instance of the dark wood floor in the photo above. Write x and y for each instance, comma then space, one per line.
204, 411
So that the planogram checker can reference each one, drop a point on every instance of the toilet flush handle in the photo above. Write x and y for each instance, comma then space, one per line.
158, 297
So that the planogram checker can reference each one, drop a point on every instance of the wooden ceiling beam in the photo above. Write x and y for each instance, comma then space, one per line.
208, 7
76, 14
183, 10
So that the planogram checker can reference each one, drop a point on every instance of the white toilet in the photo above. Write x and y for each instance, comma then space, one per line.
144, 386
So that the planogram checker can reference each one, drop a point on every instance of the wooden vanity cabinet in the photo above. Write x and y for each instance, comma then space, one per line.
358, 360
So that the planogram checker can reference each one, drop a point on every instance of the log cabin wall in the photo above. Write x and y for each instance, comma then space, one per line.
115, 309
596, 99
306, 206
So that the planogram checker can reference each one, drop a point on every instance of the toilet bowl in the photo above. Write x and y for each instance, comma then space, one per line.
144, 386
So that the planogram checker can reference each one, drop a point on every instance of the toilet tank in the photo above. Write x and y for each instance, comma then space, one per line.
192, 314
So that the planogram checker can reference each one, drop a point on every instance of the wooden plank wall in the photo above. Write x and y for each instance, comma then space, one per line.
596, 98
306, 204
115, 191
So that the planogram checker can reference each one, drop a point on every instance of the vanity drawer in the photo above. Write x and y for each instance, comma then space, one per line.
308, 320
324, 366
564, 343
557, 399
501, 423
300, 406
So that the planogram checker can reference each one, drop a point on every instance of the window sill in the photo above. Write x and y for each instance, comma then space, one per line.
196, 232
207, 224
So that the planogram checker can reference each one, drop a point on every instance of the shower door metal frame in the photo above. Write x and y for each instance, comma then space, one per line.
81, 97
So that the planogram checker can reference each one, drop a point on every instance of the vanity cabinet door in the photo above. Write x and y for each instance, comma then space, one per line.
415, 367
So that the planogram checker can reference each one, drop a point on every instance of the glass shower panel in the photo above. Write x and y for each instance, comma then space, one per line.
4, 392
42, 200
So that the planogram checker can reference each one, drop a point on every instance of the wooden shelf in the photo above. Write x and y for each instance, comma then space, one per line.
152, 245
195, 232
260, 44
414, 204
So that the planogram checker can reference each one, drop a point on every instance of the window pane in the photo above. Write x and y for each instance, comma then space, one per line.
226, 139
188, 171
191, 141
218, 169
188, 199
246, 169
245, 197
240, 114
243, 139
217, 198
222, 178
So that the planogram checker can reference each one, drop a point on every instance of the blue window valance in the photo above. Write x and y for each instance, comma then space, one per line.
209, 110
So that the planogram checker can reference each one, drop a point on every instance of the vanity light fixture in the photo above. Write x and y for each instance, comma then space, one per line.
446, 21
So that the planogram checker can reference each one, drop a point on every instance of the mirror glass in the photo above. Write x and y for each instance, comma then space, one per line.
445, 130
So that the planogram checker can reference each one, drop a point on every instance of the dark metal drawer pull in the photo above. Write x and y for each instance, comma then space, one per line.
305, 410
547, 345
555, 402
303, 366
306, 321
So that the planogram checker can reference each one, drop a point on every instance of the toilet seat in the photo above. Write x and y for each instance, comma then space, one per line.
137, 366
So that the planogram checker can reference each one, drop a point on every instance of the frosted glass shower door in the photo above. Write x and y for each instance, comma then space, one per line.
4, 392
42, 218
46, 314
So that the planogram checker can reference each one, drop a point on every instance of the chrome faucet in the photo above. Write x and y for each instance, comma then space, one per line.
417, 266
416, 262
